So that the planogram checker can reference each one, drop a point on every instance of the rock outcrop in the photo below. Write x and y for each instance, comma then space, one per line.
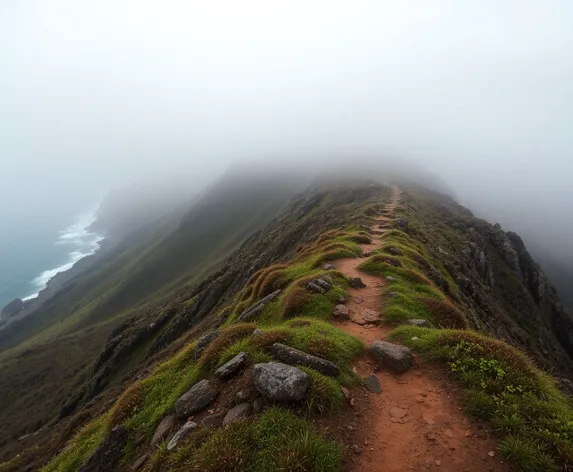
108, 455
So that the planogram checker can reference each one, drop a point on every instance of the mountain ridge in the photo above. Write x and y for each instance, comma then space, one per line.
475, 264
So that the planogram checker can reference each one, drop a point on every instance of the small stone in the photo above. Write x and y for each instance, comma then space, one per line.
195, 399
163, 429
238, 413
257, 332
428, 419
370, 317
398, 413
356, 282
313, 287
231, 367
138, 464
392, 294
356, 449
328, 267
373, 384
419, 322
322, 282
415, 338
394, 357
468, 434
341, 311
389, 278
241, 397
449, 433
491, 453
346, 393
438, 463
420, 399
358, 300
182, 434
212, 421
258, 405
294, 356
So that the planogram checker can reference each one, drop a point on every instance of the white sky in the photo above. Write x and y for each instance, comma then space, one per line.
481, 91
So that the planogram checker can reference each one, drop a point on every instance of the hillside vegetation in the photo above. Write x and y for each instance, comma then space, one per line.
492, 323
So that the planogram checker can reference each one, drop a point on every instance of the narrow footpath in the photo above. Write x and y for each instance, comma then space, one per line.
416, 422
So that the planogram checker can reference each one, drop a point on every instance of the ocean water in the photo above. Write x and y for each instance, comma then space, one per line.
33, 250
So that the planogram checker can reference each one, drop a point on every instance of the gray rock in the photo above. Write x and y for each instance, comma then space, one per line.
313, 287
238, 413
203, 342
165, 426
212, 421
328, 278
195, 399
230, 368
293, 356
241, 397
328, 267
394, 251
373, 384
356, 282
421, 323
389, 278
392, 294
108, 455
281, 382
401, 223
181, 435
257, 332
252, 312
396, 358
341, 311
258, 405
138, 464
321, 282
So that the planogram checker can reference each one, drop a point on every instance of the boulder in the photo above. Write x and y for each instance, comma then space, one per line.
181, 435
293, 356
165, 427
341, 312
421, 323
232, 367
281, 382
356, 282
394, 357
203, 342
195, 399
238, 413
366, 317
108, 455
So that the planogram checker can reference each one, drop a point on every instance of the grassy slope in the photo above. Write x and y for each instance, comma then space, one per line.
142, 272
278, 438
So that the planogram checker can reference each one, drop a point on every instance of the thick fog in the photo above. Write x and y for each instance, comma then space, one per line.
95, 94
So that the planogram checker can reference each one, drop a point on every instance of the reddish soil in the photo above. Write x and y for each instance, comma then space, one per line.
416, 423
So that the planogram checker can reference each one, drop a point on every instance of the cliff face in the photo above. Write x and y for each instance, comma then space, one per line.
489, 274
504, 289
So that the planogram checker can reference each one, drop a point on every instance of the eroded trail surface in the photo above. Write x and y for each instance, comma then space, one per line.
415, 423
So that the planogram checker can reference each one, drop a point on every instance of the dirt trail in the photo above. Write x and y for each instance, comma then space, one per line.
416, 423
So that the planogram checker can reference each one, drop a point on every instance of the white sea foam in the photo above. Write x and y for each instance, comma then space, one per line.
83, 243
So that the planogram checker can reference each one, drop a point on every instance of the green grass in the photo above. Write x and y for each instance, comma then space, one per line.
279, 440
77, 451
522, 403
